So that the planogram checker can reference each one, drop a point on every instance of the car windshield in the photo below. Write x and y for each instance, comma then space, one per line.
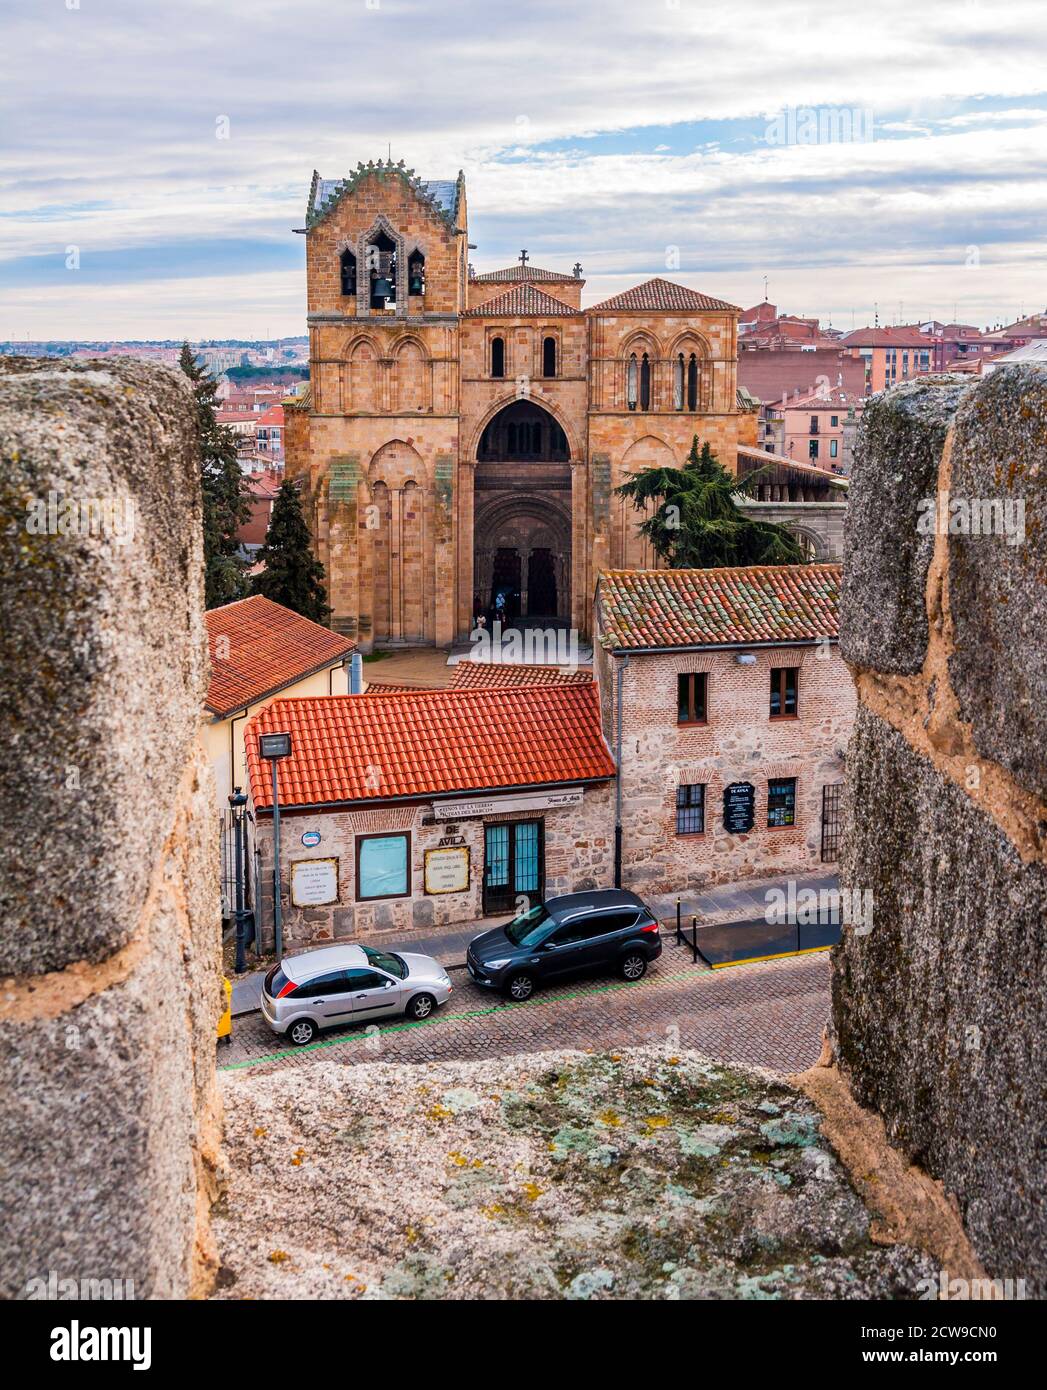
392, 965
530, 927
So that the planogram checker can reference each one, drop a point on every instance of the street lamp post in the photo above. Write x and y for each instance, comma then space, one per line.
273, 747
237, 802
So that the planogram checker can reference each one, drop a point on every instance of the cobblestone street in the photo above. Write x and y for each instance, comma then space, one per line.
769, 1014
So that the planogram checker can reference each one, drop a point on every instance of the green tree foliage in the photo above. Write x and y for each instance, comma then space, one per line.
293, 575
697, 523
225, 506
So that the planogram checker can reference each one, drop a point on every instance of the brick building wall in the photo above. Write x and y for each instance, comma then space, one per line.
740, 742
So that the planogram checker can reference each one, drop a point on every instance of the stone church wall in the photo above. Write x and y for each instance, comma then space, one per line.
940, 1011
109, 863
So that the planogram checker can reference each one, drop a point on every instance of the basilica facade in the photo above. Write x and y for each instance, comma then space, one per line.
463, 435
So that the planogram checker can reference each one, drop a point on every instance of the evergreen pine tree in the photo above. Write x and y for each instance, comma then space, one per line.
292, 576
225, 505
697, 523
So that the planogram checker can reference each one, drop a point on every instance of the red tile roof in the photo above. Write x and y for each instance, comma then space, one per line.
258, 647
477, 675
700, 608
521, 299
351, 748
521, 272
887, 337
662, 296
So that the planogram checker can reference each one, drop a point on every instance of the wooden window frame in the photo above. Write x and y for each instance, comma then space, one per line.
383, 835
692, 678
782, 673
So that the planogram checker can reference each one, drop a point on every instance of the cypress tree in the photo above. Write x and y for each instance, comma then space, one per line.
225, 507
293, 575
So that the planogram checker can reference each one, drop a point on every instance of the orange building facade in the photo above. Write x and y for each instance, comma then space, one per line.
463, 434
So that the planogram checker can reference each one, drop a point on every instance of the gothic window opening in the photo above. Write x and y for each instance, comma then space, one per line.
416, 273
692, 382
630, 383
498, 357
381, 267
549, 357
678, 373
347, 265
645, 383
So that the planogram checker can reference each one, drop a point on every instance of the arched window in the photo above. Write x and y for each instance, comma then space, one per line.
381, 267
498, 357
678, 382
549, 357
416, 273
630, 383
692, 382
348, 271
645, 383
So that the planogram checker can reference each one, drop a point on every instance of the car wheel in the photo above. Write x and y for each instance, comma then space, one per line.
302, 1032
421, 1006
520, 988
632, 966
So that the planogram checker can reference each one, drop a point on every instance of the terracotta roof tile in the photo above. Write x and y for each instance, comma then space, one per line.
520, 272
483, 675
522, 299
662, 296
371, 747
258, 647
699, 608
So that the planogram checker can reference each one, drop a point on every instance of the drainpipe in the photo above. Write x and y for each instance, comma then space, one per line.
623, 662
356, 674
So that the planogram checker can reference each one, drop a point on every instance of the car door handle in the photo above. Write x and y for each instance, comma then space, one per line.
319, 1001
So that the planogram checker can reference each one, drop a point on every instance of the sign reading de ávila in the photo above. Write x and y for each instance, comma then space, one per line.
739, 808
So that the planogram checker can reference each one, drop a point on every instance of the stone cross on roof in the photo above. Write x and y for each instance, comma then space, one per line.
524, 258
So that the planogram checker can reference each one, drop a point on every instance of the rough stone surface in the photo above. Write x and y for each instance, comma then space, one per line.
883, 623
940, 1012
997, 583
102, 661
611, 1176
110, 1125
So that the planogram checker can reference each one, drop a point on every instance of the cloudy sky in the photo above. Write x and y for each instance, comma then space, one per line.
156, 154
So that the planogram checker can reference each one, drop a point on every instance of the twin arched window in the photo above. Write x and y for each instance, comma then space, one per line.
638, 382
685, 382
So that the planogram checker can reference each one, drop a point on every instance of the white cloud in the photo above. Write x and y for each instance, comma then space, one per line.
110, 112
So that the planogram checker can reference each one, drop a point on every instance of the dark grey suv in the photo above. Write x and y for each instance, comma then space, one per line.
606, 929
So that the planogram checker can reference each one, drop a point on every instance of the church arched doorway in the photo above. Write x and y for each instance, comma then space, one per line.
522, 519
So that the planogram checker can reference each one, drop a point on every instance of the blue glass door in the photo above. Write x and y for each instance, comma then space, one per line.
513, 866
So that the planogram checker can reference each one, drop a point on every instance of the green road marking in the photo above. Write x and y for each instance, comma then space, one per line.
538, 1003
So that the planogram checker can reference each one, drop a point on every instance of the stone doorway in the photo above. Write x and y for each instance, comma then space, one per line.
522, 519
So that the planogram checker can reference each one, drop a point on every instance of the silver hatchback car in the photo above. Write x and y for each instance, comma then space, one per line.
349, 984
